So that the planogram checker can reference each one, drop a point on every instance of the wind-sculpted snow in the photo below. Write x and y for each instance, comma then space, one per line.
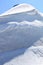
23, 56
16, 35
21, 36
19, 17
19, 9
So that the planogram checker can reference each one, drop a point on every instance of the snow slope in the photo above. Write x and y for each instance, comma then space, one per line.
21, 36
18, 9
32, 56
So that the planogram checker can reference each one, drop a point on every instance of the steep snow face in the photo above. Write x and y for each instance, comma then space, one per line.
21, 36
22, 12
18, 9
31, 56
14, 35
21, 29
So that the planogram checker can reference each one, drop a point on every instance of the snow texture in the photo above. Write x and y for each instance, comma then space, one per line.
21, 36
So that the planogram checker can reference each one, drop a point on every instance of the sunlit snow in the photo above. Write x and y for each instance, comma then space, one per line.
21, 36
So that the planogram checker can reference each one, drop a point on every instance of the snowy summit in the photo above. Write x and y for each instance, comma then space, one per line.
21, 36
20, 8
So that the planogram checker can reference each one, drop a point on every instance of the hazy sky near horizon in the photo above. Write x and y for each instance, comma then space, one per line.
7, 4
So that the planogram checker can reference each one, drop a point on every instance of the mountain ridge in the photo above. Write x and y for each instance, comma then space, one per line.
20, 8
21, 36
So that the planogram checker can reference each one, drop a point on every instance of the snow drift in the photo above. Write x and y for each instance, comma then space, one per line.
21, 27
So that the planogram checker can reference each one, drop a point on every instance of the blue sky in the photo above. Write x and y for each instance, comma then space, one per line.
7, 4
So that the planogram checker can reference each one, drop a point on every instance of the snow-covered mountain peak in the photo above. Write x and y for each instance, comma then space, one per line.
24, 5
19, 8
21, 36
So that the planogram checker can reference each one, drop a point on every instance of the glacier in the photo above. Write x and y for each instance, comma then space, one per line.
21, 36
